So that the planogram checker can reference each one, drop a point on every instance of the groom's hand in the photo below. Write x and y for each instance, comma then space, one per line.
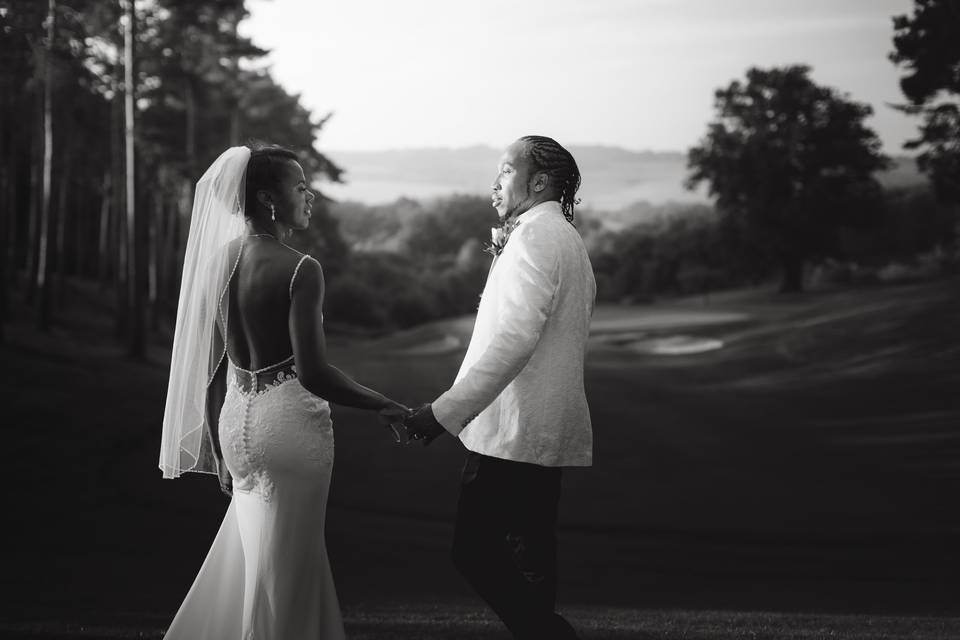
423, 425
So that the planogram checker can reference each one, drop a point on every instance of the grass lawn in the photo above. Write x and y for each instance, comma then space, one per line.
807, 472
465, 622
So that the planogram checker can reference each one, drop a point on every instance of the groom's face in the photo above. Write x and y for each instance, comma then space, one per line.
511, 189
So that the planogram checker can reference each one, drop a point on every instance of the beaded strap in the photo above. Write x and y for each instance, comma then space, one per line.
254, 372
295, 272
223, 316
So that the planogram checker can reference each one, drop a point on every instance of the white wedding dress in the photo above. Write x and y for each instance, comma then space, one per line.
267, 575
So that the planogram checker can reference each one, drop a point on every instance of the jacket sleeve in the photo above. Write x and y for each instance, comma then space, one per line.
531, 263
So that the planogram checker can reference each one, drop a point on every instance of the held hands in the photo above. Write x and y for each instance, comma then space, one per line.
393, 416
423, 425
419, 424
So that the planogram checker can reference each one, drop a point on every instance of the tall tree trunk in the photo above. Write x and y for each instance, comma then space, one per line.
119, 219
180, 226
13, 203
185, 190
43, 261
7, 213
169, 292
36, 170
63, 197
137, 315
81, 237
103, 261
183, 228
153, 250
164, 224
190, 113
235, 79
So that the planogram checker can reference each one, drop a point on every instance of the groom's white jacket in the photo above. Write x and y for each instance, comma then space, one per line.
519, 393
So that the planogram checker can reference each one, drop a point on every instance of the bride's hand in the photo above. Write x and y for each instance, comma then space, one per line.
392, 415
395, 412
226, 480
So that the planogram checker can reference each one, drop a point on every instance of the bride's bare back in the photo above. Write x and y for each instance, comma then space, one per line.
258, 331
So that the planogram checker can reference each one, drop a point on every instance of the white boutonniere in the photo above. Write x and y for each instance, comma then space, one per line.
499, 236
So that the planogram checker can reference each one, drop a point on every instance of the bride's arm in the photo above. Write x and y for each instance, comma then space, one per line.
316, 374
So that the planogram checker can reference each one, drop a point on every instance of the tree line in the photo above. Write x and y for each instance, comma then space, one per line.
411, 262
110, 112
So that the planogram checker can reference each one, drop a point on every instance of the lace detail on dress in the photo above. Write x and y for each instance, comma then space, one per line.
252, 385
270, 422
252, 452
283, 376
260, 382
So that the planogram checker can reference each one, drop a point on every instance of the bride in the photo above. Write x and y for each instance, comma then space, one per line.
256, 411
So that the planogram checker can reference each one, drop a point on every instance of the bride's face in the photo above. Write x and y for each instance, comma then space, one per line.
293, 198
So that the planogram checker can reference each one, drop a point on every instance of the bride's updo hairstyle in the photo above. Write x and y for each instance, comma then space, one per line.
264, 171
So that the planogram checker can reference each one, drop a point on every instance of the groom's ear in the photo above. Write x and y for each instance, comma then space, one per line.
540, 181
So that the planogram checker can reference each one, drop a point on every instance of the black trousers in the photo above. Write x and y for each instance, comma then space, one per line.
505, 542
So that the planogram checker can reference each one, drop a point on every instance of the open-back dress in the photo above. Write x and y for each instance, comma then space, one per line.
267, 575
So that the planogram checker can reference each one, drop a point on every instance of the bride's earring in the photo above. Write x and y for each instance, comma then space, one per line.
273, 212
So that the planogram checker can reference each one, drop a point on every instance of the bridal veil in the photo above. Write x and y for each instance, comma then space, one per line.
216, 219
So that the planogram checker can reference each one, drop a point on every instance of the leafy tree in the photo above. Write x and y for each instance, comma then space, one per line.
911, 222
418, 262
927, 44
789, 163
376, 227
683, 253
353, 301
448, 223
61, 98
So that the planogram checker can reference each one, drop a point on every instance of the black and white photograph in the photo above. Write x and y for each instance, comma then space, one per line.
462, 320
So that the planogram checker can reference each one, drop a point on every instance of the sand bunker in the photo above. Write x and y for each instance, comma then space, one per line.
675, 345
444, 344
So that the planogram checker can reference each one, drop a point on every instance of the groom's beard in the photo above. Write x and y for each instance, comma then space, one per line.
521, 207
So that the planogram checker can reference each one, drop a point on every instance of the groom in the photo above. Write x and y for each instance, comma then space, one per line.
518, 403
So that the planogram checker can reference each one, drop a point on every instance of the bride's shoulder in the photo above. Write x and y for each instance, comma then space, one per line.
307, 265
297, 260
307, 276
281, 255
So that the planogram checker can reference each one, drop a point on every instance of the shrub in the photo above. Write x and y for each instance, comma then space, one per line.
351, 300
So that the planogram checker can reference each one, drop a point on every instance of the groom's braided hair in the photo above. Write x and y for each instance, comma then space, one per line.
550, 157
264, 170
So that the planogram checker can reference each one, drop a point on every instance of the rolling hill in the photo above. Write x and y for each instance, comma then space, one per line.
613, 178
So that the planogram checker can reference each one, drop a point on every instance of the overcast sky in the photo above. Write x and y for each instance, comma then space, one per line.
638, 74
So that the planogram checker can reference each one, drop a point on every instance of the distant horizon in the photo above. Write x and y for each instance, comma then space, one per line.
613, 177
905, 153
483, 145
